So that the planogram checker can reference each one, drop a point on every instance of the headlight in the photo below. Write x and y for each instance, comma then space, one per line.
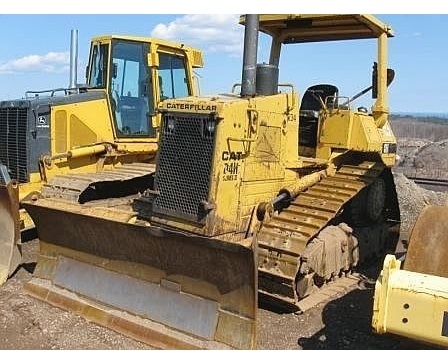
208, 127
170, 123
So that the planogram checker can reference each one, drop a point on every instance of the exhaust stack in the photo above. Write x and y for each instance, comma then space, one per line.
73, 59
249, 73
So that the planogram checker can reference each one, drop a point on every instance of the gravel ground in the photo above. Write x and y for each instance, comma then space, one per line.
343, 322
412, 199
29, 324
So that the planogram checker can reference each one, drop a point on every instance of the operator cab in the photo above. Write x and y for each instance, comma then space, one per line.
120, 65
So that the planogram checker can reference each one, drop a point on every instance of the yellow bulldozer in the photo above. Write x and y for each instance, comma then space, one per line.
86, 131
254, 194
411, 293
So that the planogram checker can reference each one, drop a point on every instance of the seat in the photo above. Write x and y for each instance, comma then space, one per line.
134, 115
309, 111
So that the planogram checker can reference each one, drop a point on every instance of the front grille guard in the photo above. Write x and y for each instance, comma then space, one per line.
182, 180
13, 141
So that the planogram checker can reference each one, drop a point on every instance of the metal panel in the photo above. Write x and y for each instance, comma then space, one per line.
411, 304
181, 311
190, 267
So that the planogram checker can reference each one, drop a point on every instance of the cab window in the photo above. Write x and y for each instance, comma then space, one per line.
173, 81
98, 66
131, 90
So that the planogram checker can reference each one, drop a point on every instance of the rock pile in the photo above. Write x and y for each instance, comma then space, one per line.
413, 198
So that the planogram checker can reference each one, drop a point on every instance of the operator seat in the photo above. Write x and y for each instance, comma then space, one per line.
309, 112
134, 115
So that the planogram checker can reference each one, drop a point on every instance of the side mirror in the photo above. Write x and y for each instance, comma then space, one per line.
87, 74
390, 78
114, 70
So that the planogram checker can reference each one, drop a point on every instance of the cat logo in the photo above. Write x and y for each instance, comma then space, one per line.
42, 122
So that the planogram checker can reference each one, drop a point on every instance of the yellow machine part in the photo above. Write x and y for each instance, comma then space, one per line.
10, 252
177, 300
24, 190
413, 301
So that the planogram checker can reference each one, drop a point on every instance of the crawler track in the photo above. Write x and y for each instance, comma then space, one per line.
123, 180
285, 240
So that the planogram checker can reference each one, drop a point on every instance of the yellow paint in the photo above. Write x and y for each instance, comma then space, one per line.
410, 304
83, 134
262, 133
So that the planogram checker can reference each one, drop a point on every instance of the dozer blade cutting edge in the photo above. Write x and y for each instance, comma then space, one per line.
164, 288
10, 251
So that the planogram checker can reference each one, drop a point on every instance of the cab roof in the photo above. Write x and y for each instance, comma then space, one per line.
143, 39
196, 53
302, 28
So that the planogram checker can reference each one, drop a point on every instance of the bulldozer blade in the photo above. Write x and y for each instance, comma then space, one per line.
162, 287
428, 243
10, 247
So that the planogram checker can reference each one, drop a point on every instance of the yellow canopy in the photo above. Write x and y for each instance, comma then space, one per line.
300, 28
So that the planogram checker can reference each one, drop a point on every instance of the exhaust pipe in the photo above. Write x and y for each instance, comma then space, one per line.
73, 59
249, 74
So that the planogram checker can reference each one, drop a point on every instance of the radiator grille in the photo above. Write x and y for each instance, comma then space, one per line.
184, 165
13, 141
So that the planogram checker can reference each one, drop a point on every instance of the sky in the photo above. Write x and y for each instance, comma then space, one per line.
35, 46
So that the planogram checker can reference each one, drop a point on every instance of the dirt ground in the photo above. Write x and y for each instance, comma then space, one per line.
342, 322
